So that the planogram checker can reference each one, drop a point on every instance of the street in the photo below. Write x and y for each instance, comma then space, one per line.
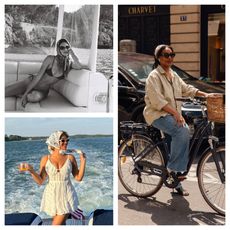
167, 208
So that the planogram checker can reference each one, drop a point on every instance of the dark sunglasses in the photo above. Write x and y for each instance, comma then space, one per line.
64, 140
167, 55
64, 47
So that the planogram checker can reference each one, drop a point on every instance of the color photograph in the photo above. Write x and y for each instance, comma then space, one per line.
59, 171
171, 114
58, 58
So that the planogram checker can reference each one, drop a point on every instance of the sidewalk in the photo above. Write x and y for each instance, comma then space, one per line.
165, 208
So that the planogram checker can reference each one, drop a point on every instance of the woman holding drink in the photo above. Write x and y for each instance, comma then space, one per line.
59, 197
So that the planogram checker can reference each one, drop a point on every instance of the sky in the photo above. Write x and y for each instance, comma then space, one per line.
45, 126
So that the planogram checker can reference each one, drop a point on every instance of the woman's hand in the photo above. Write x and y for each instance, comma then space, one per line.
76, 62
24, 100
25, 167
81, 154
30, 168
71, 52
179, 119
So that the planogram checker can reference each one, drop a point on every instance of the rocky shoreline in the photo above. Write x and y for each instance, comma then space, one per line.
22, 31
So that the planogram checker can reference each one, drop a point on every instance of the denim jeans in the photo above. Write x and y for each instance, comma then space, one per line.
178, 158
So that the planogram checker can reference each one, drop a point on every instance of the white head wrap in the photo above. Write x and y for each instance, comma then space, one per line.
53, 140
156, 52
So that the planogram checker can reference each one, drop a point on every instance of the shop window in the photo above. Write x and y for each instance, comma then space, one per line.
216, 47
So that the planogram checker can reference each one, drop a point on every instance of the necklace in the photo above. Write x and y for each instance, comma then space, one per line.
168, 78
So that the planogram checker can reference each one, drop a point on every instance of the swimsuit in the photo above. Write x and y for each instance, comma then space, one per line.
50, 73
59, 196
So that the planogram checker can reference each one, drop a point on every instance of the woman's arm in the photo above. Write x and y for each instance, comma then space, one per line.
76, 63
201, 94
36, 79
39, 178
78, 174
178, 117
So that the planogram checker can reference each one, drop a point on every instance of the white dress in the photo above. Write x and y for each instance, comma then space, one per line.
59, 196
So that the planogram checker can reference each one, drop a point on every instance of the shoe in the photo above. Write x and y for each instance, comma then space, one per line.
181, 176
181, 191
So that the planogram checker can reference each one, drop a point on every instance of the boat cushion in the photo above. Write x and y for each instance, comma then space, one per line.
22, 219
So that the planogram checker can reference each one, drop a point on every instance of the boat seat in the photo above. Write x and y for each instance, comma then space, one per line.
101, 217
82, 91
22, 219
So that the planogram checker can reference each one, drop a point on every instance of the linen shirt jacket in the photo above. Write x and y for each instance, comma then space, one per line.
159, 91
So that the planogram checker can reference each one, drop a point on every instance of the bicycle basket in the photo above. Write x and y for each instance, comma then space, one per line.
216, 108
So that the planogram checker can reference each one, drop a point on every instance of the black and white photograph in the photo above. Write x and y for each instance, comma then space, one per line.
58, 58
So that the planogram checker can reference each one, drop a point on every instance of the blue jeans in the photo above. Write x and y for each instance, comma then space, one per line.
178, 158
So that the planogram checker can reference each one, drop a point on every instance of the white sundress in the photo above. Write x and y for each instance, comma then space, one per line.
59, 196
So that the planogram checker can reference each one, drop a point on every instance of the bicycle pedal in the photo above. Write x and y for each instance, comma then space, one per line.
170, 180
182, 178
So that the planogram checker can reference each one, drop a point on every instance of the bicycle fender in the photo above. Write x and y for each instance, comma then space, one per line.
203, 155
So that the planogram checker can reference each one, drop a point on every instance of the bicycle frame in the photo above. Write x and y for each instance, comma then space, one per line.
147, 145
202, 132
157, 170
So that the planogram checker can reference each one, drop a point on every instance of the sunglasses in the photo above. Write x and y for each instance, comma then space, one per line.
167, 55
64, 140
64, 47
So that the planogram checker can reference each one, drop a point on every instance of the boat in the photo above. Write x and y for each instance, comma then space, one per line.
96, 217
84, 90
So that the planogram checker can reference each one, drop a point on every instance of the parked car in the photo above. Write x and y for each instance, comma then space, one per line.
133, 69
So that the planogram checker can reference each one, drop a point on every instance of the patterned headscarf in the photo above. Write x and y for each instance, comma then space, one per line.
66, 59
54, 138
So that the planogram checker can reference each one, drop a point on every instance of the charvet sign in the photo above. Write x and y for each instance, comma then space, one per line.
139, 10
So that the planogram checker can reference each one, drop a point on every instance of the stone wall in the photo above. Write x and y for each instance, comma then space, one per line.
185, 37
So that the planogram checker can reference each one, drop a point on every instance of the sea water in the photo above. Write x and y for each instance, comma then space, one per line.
22, 194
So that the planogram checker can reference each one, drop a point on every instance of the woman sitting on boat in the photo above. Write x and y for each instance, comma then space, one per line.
54, 68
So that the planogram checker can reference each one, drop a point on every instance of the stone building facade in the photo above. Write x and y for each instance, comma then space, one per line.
196, 32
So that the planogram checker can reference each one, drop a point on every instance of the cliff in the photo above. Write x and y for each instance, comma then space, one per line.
35, 25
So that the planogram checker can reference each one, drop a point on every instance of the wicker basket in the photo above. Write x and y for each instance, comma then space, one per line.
216, 108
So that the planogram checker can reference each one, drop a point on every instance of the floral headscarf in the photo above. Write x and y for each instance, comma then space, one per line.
66, 59
53, 140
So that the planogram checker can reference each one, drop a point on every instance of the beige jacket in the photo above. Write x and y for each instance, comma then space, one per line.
160, 92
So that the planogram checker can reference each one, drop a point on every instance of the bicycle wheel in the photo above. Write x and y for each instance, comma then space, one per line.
211, 187
141, 184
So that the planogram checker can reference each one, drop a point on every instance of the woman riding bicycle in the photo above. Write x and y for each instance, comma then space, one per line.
162, 111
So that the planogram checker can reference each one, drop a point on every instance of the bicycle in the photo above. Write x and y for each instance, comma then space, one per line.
144, 152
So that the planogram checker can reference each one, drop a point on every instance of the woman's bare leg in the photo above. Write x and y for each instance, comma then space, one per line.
17, 88
60, 219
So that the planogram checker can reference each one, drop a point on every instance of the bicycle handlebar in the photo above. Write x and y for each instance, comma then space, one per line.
199, 100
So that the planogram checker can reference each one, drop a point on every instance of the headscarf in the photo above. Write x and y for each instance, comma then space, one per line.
159, 49
65, 59
53, 140
157, 53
